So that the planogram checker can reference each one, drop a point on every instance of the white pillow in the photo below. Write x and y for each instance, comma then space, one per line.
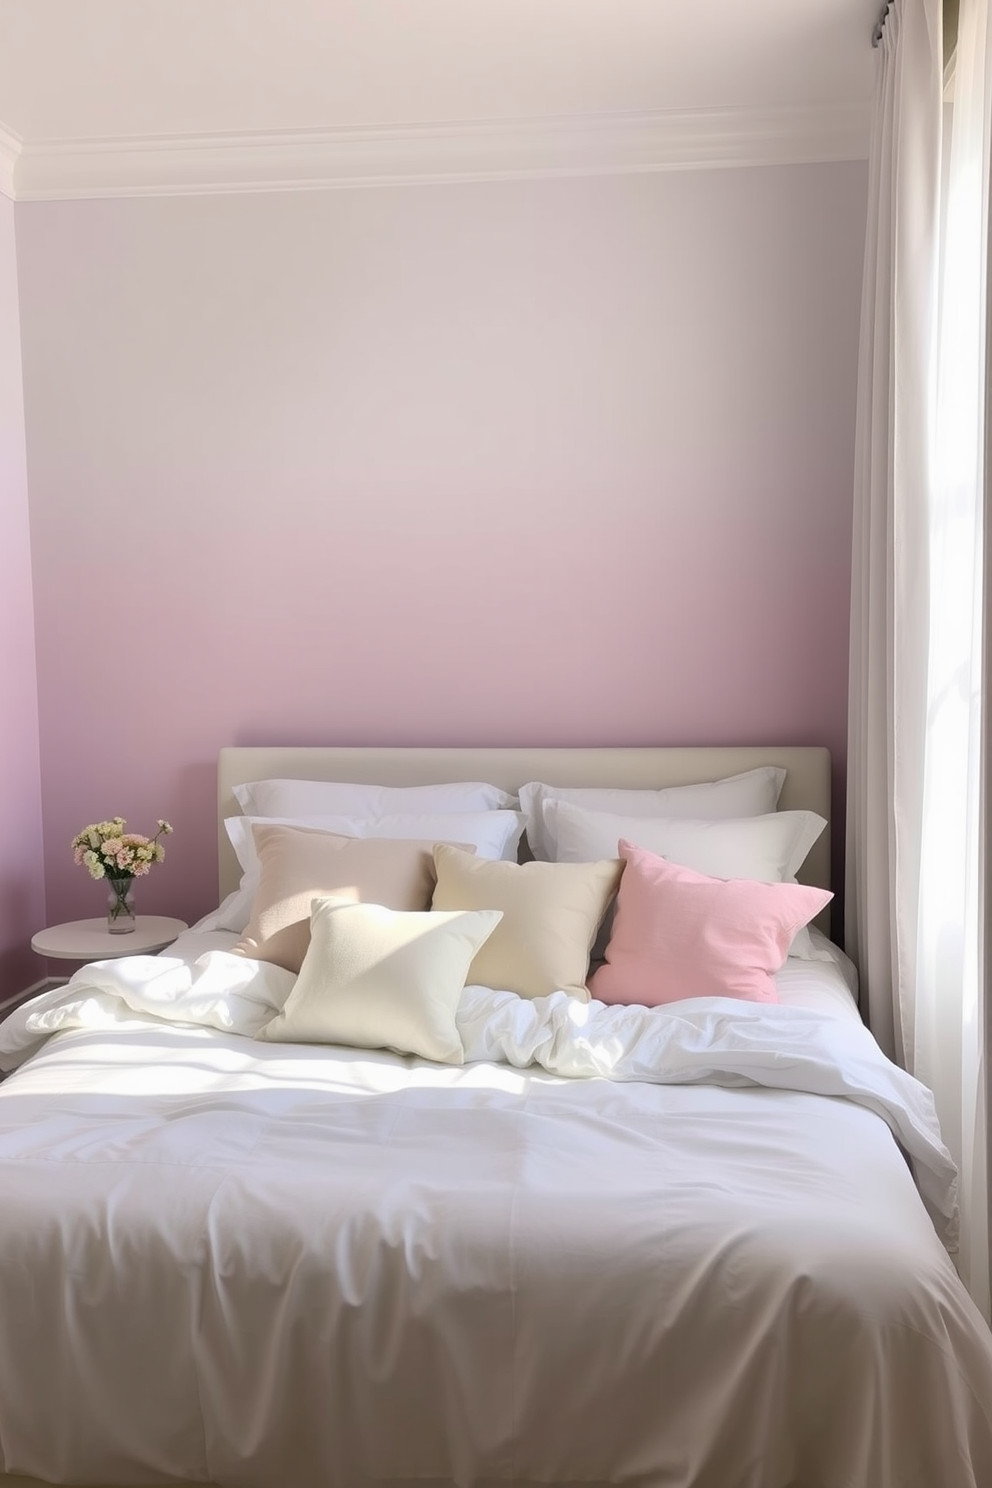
296, 798
493, 834
377, 978
754, 793
218, 918
769, 848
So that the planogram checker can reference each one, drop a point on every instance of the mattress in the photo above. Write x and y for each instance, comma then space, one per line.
701, 1245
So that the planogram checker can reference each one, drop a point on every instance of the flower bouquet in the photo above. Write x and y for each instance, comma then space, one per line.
106, 850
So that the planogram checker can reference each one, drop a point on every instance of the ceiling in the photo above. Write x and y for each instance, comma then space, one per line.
101, 97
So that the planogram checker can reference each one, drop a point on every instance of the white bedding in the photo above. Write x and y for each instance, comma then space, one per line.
678, 1247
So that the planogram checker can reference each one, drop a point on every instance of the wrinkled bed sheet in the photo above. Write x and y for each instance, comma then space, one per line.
674, 1248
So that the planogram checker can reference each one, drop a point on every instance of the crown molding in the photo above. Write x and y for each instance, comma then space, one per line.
10, 152
181, 165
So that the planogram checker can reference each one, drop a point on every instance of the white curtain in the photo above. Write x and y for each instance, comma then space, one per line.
916, 764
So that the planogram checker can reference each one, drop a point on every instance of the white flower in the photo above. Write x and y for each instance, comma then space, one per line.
106, 848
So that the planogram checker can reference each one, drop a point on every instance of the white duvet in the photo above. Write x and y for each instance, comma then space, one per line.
667, 1248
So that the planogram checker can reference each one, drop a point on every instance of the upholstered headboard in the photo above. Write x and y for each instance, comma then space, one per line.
807, 783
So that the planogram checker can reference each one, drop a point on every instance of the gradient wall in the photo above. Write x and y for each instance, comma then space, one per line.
551, 462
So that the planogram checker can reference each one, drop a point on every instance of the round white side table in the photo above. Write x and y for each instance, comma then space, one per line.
90, 940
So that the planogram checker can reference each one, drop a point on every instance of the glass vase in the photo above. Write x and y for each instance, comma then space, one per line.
120, 905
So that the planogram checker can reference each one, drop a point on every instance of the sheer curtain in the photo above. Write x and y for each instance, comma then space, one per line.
916, 769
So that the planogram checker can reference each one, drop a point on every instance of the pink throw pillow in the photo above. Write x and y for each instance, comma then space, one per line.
678, 933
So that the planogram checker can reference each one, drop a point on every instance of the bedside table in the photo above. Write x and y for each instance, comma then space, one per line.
90, 940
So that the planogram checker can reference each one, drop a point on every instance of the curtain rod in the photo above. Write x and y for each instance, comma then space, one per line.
876, 35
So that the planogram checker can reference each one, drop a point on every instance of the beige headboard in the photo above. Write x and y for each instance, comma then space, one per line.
807, 784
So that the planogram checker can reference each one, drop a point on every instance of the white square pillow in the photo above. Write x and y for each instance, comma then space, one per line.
754, 793
377, 978
493, 834
295, 798
769, 849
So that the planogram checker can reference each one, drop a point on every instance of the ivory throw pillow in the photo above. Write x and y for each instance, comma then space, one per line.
550, 915
752, 793
770, 848
678, 933
376, 978
298, 865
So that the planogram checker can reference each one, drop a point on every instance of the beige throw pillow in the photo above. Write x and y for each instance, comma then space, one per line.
551, 912
298, 865
378, 978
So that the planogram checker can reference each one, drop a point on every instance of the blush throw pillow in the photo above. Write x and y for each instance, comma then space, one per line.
297, 865
551, 912
376, 978
678, 933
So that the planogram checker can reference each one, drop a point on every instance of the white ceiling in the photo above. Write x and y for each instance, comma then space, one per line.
121, 86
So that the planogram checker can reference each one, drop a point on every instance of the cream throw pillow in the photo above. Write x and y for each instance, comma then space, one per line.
298, 865
551, 912
377, 978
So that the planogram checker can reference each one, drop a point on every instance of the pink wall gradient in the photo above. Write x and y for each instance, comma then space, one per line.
22, 888
527, 462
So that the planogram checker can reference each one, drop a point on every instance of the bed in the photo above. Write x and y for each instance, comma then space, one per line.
703, 1244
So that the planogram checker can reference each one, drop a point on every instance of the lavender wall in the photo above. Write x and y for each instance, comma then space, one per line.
22, 893
529, 462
